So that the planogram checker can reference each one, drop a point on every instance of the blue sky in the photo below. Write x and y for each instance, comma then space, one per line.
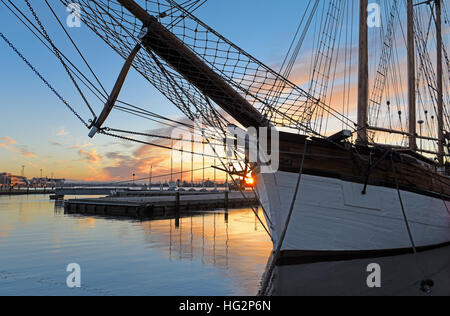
36, 129
35, 122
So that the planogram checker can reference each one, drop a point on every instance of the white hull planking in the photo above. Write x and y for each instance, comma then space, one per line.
333, 215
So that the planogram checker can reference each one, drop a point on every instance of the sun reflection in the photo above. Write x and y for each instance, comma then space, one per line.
224, 239
84, 223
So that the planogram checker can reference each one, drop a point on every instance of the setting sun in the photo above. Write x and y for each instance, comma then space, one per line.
249, 181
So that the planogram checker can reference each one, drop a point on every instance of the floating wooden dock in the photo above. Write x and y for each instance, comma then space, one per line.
158, 204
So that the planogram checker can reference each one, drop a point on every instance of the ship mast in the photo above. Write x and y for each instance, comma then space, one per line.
411, 78
363, 74
439, 82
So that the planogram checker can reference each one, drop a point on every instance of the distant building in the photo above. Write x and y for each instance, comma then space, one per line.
209, 184
5, 179
9, 180
46, 182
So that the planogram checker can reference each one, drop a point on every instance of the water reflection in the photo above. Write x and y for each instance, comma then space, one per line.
400, 275
216, 253
226, 240
59, 207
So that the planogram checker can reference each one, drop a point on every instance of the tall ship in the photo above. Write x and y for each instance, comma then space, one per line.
333, 199
358, 177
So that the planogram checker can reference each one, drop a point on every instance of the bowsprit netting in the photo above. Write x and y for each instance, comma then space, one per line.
250, 78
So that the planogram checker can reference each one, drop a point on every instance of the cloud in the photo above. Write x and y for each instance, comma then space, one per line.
27, 153
7, 141
81, 146
56, 144
123, 169
10, 144
116, 156
62, 132
32, 164
90, 156
139, 160
5, 146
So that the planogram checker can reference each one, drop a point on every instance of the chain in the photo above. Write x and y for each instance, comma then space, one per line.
43, 79
55, 49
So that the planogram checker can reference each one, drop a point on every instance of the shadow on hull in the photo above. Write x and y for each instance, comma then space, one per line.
399, 275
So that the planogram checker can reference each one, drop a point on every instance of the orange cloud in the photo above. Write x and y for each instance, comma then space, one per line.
5, 146
27, 153
139, 163
81, 146
7, 140
10, 144
90, 156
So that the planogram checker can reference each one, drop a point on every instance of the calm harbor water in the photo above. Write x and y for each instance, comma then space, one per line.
206, 254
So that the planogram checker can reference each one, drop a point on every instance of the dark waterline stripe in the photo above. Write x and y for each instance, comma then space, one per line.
298, 257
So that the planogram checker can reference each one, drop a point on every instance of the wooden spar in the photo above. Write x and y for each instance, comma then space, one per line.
173, 51
393, 131
363, 74
115, 92
439, 82
411, 78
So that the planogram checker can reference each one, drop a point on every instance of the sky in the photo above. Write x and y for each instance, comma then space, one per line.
38, 132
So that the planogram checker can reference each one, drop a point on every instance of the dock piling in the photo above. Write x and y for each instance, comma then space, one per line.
177, 201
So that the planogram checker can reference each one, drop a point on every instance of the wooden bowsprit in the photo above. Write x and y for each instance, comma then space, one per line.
168, 47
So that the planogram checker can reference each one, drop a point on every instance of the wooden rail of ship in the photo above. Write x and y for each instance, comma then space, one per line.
364, 165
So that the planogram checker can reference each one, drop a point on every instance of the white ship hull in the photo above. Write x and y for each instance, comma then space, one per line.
333, 216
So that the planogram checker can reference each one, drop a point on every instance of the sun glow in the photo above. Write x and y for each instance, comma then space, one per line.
249, 180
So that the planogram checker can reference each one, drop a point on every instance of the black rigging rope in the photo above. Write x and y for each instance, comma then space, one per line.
280, 87
161, 137
43, 79
405, 217
37, 31
163, 175
106, 132
152, 114
76, 47
276, 255
59, 56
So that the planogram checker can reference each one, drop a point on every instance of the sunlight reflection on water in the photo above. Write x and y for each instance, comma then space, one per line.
205, 254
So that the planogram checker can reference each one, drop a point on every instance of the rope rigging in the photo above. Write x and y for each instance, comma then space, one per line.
163, 175
286, 69
311, 110
208, 111
75, 46
72, 69
43, 79
235, 69
40, 36
59, 56
106, 132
